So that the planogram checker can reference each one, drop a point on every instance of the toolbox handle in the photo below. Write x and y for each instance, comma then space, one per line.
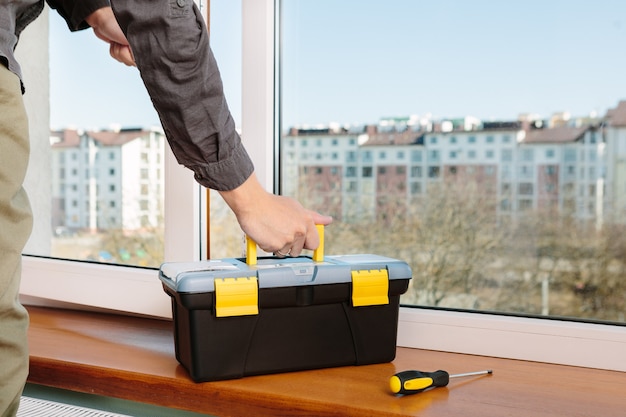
318, 254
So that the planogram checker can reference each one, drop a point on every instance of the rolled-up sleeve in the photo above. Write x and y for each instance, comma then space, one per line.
171, 47
75, 11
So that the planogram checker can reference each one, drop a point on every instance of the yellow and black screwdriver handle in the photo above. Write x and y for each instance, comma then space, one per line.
412, 382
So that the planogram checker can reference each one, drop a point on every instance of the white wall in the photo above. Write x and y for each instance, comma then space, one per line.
32, 53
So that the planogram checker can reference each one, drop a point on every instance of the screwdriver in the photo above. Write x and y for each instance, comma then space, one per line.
412, 382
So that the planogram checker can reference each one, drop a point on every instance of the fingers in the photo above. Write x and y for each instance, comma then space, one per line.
321, 219
122, 53
310, 240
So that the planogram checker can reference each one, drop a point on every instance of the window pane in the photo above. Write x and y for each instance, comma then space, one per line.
518, 203
226, 237
105, 175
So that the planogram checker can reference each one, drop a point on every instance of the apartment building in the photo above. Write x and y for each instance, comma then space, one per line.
107, 179
574, 166
616, 160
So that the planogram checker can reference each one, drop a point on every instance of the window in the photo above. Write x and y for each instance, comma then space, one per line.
58, 279
525, 188
528, 155
506, 336
523, 211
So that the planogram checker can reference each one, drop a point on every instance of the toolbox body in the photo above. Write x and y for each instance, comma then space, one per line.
232, 319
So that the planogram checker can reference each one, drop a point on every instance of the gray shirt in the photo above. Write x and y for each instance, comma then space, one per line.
170, 44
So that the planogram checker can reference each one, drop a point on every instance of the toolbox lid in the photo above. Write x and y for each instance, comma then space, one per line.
272, 272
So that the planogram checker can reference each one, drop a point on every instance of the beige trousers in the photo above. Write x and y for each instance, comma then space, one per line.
15, 227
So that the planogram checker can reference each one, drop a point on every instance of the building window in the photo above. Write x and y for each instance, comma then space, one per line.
433, 155
525, 188
527, 155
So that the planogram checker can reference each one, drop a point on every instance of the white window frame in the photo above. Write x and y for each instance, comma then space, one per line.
139, 291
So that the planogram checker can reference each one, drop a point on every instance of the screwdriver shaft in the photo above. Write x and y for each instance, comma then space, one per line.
489, 371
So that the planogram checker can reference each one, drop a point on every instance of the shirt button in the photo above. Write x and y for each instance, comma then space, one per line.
181, 3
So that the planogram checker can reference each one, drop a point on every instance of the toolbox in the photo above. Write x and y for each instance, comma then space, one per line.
248, 316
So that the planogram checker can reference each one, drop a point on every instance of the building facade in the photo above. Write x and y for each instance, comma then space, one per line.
103, 180
572, 166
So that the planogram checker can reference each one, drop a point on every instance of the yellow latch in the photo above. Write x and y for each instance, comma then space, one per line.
370, 287
236, 297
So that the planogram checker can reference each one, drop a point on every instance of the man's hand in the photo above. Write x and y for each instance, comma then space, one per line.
105, 27
277, 224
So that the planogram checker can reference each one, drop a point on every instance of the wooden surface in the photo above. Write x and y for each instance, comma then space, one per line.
133, 358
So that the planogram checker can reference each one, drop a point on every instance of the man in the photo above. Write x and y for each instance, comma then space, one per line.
168, 42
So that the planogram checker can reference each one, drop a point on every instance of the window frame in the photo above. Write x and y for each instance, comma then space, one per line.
137, 290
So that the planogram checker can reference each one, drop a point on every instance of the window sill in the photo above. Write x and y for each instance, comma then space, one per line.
133, 358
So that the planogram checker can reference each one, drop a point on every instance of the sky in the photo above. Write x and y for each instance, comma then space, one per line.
356, 61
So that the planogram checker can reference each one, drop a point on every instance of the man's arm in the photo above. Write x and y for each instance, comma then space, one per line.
170, 45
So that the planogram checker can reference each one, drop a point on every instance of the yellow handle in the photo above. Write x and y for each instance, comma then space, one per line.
318, 254
250, 251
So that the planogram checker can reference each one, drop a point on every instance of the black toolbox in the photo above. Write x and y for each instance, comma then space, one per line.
234, 318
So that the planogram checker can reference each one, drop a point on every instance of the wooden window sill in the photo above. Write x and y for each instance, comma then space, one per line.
133, 358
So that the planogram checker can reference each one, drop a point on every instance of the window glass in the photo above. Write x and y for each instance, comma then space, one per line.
108, 149
226, 237
503, 234
106, 158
